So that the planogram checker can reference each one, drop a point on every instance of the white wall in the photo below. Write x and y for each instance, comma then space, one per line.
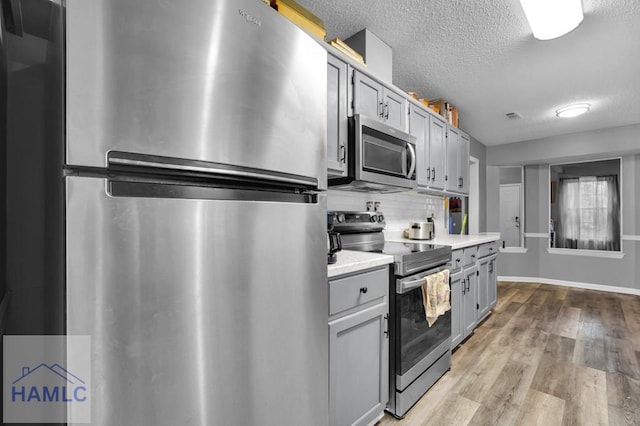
398, 208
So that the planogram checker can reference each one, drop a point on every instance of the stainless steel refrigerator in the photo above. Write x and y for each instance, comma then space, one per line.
165, 176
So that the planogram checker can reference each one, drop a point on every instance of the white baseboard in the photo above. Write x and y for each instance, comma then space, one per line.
586, 286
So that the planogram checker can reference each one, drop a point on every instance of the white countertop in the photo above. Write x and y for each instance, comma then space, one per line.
354, 261
453, 240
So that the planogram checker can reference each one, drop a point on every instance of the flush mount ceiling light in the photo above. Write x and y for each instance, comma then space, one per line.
572, 110
552, 18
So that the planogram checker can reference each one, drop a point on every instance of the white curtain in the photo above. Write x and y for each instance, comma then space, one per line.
589, 210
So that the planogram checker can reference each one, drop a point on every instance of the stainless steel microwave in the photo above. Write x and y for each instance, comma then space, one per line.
380, 158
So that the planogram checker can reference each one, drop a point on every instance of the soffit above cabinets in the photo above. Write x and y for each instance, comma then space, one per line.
482, 57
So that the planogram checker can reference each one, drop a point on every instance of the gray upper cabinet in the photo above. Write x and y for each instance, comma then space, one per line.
337, 116
437, 141
463, 161
374, 100
430, 133
419, 128
395, 106
367, 96
457, 173
452, 181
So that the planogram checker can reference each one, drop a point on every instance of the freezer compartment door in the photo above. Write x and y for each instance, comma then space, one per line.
230, 82
200, 311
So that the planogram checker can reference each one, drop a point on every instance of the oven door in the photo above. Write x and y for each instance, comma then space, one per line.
383, 154
417, 345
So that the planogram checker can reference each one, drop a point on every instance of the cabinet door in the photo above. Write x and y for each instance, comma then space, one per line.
470, 282
493, 282
464, 143
395, 109
437, 141
419, 127
483, 288
358, 367
452, 176
337, 120
457, 313
368, 98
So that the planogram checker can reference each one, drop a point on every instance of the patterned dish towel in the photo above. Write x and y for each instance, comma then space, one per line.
436, 295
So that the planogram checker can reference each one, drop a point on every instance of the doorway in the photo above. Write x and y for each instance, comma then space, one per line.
511, 215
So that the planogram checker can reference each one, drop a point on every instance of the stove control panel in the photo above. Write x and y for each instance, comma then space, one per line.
345, 221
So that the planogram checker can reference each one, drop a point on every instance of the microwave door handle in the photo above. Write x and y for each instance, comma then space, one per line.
412, 154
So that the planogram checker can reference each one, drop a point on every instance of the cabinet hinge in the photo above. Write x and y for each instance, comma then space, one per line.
477, 273
478, 306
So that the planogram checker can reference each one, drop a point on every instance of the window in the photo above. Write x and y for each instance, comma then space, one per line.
585, 206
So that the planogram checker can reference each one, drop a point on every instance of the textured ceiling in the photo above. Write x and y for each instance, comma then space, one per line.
480, 55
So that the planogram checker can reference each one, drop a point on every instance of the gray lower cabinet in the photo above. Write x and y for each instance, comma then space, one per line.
493, 282
337, 115
470, 299
457, 330
487, 285
358, 348
473, 283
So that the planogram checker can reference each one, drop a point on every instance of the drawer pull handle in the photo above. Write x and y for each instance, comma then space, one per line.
364, 290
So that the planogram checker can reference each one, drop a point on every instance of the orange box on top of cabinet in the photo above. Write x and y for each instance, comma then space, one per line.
301, 17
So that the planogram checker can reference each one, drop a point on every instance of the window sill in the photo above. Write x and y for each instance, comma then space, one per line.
513, 250
588, 253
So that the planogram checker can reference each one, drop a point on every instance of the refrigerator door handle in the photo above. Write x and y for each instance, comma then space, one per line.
162, 163
151, 189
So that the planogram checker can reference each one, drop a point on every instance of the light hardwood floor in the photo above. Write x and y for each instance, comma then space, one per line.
548, 355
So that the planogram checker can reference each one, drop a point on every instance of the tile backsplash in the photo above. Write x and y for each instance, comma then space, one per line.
398, 208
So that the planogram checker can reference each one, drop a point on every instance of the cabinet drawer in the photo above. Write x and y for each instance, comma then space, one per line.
470, 255
487, 249
456, 259
346, 293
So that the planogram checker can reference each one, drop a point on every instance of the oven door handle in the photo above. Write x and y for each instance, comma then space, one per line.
410, 285
406, 286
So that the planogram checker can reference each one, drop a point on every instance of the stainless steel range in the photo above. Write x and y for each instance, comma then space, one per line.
418, 354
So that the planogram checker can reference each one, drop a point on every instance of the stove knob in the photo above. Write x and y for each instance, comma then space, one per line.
373, 218
380, 218
340, 218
